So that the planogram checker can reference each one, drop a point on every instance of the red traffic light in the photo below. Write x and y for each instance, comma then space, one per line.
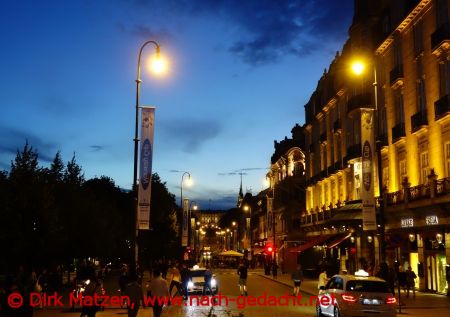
269, 249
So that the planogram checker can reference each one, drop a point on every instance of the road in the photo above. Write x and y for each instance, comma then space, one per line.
227, 281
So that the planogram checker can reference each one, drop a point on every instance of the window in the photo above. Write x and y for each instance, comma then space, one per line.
444, 78
418, 38
447, 158
424, 167
367, 286
441, 12
420, 86
399, 111
385, 177
402, 171
397, 52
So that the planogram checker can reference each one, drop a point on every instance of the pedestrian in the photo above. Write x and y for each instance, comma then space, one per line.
207, 279
243, 273
175, 280
323, 279
92, 289
297, 278
134, 293
410, 281
185, 278
43, 281
123, 280
274, 269
159, 289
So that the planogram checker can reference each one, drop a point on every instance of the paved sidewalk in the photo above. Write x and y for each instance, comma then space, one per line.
412, 306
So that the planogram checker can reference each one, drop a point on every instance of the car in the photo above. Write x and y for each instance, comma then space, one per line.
356, 295
195, 285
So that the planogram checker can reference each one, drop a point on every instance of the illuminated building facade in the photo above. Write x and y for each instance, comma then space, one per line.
406, 48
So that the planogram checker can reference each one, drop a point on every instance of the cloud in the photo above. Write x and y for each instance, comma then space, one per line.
12, 140
267, 29
96, 148
191, 133
146, 32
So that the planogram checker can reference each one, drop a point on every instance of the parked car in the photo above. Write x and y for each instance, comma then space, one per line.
356, 295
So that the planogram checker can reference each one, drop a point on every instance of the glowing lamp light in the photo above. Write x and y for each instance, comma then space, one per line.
358, 67
158, 64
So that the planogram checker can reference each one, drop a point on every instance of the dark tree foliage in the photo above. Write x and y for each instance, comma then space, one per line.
53, 215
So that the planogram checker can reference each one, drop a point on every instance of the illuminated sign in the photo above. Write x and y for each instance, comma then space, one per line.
431, 220
407, 222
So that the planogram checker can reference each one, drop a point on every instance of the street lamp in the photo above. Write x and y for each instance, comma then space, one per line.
248, 210
158, 66
358, 68
189, 182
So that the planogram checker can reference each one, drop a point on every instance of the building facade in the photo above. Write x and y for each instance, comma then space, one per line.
406, 84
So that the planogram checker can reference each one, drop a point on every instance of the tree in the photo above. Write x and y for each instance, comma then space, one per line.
73, 173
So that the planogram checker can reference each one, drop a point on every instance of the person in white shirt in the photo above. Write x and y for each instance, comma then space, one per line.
323, 279
158, 288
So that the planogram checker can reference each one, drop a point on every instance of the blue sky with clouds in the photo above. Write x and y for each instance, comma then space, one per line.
240, 73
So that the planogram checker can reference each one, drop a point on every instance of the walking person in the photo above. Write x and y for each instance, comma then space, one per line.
243, 273
185, 278
410, 282
92, 289
123, 280
134, 293
207, 277
175, 280
323, 279
275, 269
159, 289
297, 278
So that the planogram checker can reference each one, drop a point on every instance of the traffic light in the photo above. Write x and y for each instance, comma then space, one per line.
269, 249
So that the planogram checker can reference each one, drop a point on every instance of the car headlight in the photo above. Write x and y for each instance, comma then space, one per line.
190, 284
213, 282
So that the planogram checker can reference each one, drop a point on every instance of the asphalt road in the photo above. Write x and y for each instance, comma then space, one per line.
259, 289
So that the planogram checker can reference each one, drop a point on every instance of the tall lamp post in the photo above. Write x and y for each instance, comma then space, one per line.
191, 240
358, 68
182, 182
157, 67
248, 210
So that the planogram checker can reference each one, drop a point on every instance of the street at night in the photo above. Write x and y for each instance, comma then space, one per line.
224, 158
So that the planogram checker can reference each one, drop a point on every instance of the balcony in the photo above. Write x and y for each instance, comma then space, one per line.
419, 121
337, 126
353, 151
442, 107
323, 138
398, 132
359, 101
396, 76
440, 39
395, 198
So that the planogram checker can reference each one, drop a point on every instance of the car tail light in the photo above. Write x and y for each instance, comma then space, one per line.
349, 298
391, 300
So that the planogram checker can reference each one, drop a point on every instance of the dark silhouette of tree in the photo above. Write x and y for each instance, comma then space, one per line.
73, 173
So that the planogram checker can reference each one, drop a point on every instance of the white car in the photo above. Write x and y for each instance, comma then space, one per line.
195, 285
356, 295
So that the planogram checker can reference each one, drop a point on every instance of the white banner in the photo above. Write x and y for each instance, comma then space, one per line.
368, 159
192, 233
185, 224
145, 167
269, 219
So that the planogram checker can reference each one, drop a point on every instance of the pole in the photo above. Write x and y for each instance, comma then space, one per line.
135, 246
380, 168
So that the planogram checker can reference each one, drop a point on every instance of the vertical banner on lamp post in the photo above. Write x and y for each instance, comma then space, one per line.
269, 219
367, 188
185, 225
192, 233
145, 167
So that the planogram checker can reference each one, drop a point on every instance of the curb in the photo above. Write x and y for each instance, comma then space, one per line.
286, 284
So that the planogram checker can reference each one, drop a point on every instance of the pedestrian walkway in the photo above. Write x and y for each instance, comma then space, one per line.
414, 306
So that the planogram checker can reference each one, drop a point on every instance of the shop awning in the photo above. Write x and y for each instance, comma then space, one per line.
315, 241
338, 240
